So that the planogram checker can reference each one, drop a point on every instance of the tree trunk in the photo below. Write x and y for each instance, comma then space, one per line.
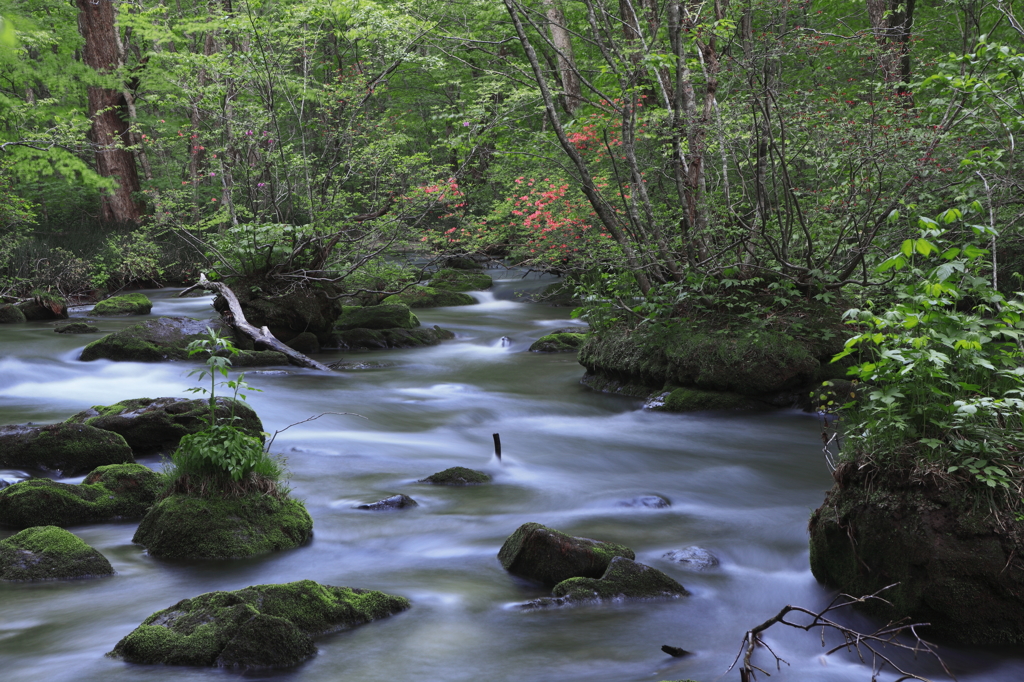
562, 42
109, 133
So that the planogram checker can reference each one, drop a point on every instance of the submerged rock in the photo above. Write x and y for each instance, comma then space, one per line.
117, 491
11, 314
190, 527
460, 280
126, 304
384, 316
69, 449
646, 502
76, 328
624, 579
559, 342
457, 476
393, 502
692, 557
167, 338
953, 564
358, 366
428, 297
150, 424
549, 556
49, 553
374, 339
263, 626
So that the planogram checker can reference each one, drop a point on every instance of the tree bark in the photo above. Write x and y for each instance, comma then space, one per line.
562, 41
109, 133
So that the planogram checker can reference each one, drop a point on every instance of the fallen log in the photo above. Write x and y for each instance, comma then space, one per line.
262, 335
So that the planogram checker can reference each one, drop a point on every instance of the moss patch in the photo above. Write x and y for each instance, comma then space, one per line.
695, 400
457, 476
117, 491
188, 527
624, 579
10, 314
559, 342
385, 316
257, 627
429, 297
549, 556
76, 328
49, 553
150, 424
127, 304
71, 449
373, 339
460, 280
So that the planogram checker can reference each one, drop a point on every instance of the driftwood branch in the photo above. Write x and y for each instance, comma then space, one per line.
865, 645
261, 336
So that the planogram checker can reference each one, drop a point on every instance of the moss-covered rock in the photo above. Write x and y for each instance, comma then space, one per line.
695, 400
69, 449
263, 626
457, 476
374, 339
189, 527
380, 317
49, 553
76, 328
558, 342
306, 343
548, 556
11, 314
44, 306
126, 304
953, 565
151, 424
428, 297
116, 491
167, 338
623, 579
460, 280
287, 314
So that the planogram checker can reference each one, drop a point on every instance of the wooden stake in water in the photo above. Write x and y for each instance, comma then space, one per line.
497, 446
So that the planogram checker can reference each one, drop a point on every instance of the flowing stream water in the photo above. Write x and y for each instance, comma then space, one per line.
740, 486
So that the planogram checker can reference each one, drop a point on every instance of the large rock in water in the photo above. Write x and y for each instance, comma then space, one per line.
288, 314
44, 307
69, 449
549, 556
126, 304
11, 314
49, 553
623, 579
150, 424
117, 491
390, 316
952, 563
460, 280
264, 626
381, 339
190, 527
167, 338
428, 297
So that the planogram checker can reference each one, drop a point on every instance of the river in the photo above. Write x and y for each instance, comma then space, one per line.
740, 486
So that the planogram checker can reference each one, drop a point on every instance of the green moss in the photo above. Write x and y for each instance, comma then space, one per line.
558, 343
460, 280
10, 314
694, 400
48, 553
150, 424
457, 476
127, 304
189, 527
117, 491
623, 579
71, 449
370, 339
549, 556
259, 626
76, 328
429, 297
384, 316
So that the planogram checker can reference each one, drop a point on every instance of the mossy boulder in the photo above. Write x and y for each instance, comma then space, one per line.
76, 328
549, 556
951, 562
306, 343
623, 579
44, 306
126, 304
11, 314
69, 449
696, 400
287, 314
558, 342
49, 553
457, 476
167, 338
385, 316
418, 296
460, 280
263, 626
116, 491
382, 339
191, 527
151, 424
